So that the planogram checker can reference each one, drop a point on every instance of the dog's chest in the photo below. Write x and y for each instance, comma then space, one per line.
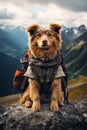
41, 74
44, 71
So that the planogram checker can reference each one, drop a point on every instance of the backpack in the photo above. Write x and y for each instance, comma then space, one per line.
20, 82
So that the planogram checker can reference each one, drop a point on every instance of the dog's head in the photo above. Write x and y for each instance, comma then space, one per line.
44, 41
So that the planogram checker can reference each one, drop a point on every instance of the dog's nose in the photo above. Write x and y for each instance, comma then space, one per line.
44, 43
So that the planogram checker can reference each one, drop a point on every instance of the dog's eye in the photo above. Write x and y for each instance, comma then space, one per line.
49, 34
38, 35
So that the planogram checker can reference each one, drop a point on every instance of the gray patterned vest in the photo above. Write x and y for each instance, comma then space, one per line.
44, 71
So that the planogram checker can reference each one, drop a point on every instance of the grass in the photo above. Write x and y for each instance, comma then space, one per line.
80, 79
11, 102
78, 93
8, 100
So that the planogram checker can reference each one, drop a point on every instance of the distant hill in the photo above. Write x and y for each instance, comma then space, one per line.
13, 42
75, 55
8, 65
71, 33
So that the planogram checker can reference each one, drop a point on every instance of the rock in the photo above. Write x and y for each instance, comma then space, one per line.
82, 107
16, 117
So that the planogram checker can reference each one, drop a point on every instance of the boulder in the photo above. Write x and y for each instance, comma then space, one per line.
17, 117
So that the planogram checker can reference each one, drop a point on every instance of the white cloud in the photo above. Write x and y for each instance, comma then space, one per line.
76, 5
54, 13
26, 12
16, 15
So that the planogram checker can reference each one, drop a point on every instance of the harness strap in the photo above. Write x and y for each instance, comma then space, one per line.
40, 74
49, 74
66, 92
46, 65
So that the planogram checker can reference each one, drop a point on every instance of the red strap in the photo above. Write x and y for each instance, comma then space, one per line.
28, 53
19, 73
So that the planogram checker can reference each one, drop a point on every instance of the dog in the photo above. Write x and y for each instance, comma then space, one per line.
44, 44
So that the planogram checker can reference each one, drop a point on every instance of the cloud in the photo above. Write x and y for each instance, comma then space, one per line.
26, 12
54, 13
13, 14
75, 5
5, 15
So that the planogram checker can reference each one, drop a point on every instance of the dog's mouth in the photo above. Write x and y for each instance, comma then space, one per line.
44, 48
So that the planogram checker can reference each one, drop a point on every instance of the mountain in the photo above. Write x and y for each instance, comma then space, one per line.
13, 41
75, 53
13, 44
8, 65
19, 34
71, 33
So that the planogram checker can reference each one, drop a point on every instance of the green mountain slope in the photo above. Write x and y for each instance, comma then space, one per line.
76, 56
8, 65
13, 42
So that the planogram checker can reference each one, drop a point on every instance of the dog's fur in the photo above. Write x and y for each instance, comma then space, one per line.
43, 42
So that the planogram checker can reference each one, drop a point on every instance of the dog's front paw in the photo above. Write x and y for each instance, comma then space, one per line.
28, 104
54, 106
22, 100
36, 106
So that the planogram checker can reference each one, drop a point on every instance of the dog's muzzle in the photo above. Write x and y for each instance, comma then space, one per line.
44, 43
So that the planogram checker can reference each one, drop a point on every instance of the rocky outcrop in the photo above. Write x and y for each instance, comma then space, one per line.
16, 117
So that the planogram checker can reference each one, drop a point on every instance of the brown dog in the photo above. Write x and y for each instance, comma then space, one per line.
44, 44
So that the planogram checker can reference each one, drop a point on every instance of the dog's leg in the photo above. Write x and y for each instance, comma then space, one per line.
60, 95
24, 100
34, 94
55, 94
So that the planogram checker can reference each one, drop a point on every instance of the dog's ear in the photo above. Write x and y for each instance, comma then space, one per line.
55, 27
32, 29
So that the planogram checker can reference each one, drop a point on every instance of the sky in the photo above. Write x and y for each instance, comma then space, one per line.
44, 12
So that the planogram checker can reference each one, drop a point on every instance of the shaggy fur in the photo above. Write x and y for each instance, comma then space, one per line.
43, 42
